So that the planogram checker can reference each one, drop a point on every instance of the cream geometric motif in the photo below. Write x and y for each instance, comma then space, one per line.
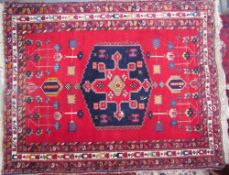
71, 70
156, 69
71, 99
157, 99
117, 85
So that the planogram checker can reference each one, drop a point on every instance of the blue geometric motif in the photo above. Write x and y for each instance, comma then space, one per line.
116, 85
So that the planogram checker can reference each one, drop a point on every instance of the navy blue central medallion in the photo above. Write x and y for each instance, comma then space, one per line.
116, 85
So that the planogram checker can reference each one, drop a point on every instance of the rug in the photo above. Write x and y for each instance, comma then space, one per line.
111, 86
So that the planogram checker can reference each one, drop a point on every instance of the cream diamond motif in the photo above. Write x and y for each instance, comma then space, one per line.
117, 85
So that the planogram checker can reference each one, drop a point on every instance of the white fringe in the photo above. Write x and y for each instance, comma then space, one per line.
224, 114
